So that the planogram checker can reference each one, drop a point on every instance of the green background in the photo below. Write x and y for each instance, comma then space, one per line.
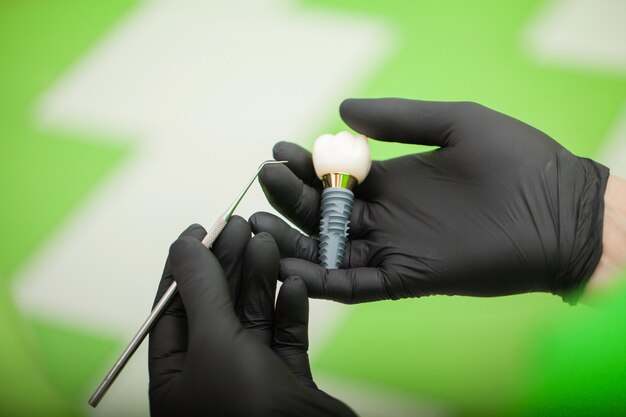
477, 356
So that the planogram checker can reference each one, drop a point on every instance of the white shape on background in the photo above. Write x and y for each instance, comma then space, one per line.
584, 34
201, 90
613, 154
378, 402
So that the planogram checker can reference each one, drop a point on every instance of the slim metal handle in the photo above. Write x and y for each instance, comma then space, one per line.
147, 325
132, 346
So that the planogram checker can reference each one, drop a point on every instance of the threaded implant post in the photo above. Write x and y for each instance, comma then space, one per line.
336, 212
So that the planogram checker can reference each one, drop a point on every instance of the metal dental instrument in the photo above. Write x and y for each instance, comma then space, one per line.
145, 328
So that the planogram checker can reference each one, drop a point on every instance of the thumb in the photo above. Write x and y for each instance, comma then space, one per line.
201, 284
401, 120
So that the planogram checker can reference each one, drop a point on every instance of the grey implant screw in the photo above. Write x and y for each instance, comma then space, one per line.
336, 212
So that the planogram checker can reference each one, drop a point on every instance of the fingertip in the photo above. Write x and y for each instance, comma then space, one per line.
280, 185
257, 221
239, 223
284, 272
345, 106
313, 275
181, 246
229, 249
201, 285
263, 222
291, 243
195, 230
185, 250
293, 153
295, 285
350, 111
299, 161
293, 301
233, 239
265, 243
272, 173
262, 256
292, 308
278, 151
237, 230
288, 194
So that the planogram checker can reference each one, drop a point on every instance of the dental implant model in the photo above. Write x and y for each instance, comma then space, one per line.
341, 161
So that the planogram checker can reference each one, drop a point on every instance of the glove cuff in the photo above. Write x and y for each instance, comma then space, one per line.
581, 219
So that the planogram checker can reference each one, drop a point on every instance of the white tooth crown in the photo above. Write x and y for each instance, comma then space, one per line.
342, 153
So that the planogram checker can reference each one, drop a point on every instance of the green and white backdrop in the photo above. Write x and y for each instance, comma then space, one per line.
123, 121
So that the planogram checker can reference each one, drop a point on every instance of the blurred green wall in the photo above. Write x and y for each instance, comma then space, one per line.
476, 356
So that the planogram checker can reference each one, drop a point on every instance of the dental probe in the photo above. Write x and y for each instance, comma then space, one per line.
145, 328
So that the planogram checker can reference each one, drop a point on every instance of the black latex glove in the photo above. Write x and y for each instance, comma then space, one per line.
212, 356
499, 208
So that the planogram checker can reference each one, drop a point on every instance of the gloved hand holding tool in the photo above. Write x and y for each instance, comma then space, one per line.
166, 297
221, 348
499, 208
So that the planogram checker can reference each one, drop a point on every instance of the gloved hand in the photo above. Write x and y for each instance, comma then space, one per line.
221, 348
499, 208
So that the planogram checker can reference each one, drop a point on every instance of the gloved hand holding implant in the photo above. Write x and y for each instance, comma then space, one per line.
497, 208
